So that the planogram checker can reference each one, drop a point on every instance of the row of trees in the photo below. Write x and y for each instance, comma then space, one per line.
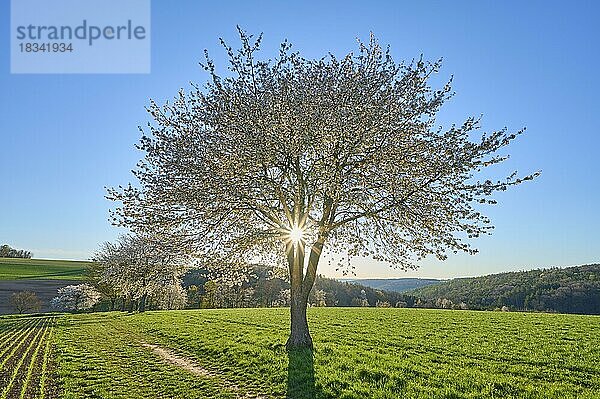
138, 273
133, 273
327, 292
265, 287
7, 252
571, 290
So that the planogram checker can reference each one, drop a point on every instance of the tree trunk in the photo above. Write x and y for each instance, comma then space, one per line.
299, 333
131, 305
143, 303
300, 287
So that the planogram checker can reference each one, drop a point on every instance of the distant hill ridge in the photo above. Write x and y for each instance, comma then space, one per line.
394, 284
564, 290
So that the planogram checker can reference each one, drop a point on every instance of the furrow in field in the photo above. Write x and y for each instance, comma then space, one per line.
12, 333
8, 328
16, 343
42, 386
11, 357
34, 364
7, 333
15, 338
20, 360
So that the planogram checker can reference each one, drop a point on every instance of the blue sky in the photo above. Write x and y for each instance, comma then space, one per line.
534, 64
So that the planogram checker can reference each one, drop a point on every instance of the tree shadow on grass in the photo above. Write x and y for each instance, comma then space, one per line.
301, 375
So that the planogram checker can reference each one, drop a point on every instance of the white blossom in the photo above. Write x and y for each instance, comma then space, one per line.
76, 297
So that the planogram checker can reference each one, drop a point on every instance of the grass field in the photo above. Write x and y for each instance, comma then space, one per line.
41, 269
25, 357
359, 353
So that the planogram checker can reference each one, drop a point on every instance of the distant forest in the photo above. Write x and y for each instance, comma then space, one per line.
7, 252
264, 291
568, 290
404, 284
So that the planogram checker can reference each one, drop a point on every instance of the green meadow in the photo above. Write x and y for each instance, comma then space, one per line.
41, 269
359, 353
233, 353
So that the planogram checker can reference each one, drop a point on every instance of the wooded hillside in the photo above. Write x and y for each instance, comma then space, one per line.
568, 290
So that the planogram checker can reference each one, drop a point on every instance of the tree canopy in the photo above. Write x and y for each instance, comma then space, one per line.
281, 159
25, 301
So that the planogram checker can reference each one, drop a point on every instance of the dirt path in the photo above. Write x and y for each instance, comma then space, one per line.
170, 356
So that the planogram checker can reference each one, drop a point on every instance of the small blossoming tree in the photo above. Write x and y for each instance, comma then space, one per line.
76, 297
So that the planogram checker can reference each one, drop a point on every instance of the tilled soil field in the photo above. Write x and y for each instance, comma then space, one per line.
44, 289
25, 362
